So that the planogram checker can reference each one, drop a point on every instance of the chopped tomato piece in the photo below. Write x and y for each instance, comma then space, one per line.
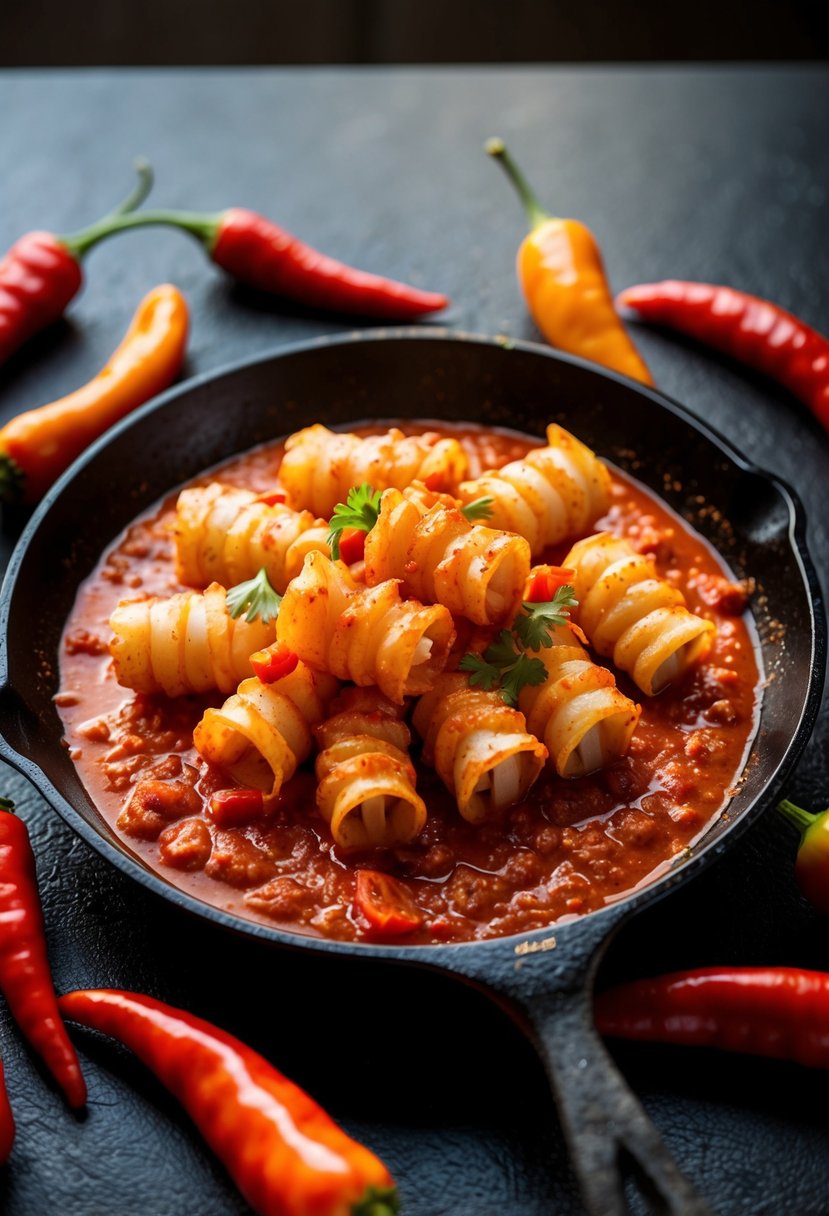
272, 497
273, 662
544, 582
436, 481
386, 904
230, 808
352, 545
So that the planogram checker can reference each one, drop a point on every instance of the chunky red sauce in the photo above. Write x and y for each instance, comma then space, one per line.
571, 847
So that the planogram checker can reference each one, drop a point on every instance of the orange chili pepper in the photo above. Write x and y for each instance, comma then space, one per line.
562, 275
36, 447
285, 1154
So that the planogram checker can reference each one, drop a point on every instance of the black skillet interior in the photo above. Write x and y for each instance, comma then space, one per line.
749, 517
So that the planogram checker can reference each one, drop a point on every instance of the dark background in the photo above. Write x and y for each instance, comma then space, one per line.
47, 33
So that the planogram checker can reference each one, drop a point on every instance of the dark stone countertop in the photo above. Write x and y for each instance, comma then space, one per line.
717, 174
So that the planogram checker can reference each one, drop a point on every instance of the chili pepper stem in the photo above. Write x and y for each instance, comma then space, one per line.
79, 242
377, 1202
203, 227
536, 214
796, 814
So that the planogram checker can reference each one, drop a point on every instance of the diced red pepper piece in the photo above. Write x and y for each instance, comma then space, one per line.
273, 662
352, 545
272, 497
386, 904
231, 808
544, 582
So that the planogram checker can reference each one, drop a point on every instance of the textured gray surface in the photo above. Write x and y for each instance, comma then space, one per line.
709, 174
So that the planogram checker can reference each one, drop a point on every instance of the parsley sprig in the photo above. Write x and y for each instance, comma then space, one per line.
479, 508
505, 665
360, 510
534, 624
256, 598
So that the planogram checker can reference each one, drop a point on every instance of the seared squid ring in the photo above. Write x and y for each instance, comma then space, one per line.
320, 466
630, 613
583, 718
264, 731
227, 534
184, 644
366, 780
440, 557
478, 745
364, 634
554, 492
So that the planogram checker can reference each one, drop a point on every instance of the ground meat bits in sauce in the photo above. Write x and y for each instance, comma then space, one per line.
571, 847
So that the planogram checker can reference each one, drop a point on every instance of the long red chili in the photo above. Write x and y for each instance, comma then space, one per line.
781, 1012
41, 273
25, 978
262, 255
285, 1154
753, 331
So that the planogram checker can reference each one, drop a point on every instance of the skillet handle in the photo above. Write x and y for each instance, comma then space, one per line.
609, 1135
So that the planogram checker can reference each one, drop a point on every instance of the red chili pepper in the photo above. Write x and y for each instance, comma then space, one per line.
768, 1011
274, 662
352, 545
6, 1121
25, 979
41, 272
230, 808
259, 253
285, 1154
753, 331
811, 869
544, 582
386, 904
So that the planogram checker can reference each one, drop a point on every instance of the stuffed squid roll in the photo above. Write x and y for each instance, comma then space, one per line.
478, 745
440, 557
226, 535
366, 788
630, 613
264, 731
364, 634
583, 718
187, 643
555, 492
320, 466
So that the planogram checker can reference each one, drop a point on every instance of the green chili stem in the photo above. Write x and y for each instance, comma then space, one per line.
141, 189
796, 814
535, 212
203, 227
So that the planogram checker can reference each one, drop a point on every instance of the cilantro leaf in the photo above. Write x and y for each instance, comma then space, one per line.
360, 510
524, 671
485, 675
256, 598
479, 508
503, 651
532, 627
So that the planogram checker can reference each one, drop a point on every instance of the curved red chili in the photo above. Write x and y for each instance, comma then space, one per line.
262, 255
285, 1154
753, 331
41, 273
6, 1121
782, 1012
25, 978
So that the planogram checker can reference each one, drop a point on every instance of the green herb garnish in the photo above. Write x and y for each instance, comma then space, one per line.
479, 508
360, 510
533, 626
256, 598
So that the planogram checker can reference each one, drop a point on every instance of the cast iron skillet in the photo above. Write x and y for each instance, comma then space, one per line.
544, 977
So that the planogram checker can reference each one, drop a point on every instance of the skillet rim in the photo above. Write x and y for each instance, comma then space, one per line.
438, 954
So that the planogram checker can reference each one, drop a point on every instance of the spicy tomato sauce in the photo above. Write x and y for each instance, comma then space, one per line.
569, 848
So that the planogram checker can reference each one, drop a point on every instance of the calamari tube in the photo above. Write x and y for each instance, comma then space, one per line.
478, 745
631, 614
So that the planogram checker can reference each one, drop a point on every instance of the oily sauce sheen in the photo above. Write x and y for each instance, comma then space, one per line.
571, 847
